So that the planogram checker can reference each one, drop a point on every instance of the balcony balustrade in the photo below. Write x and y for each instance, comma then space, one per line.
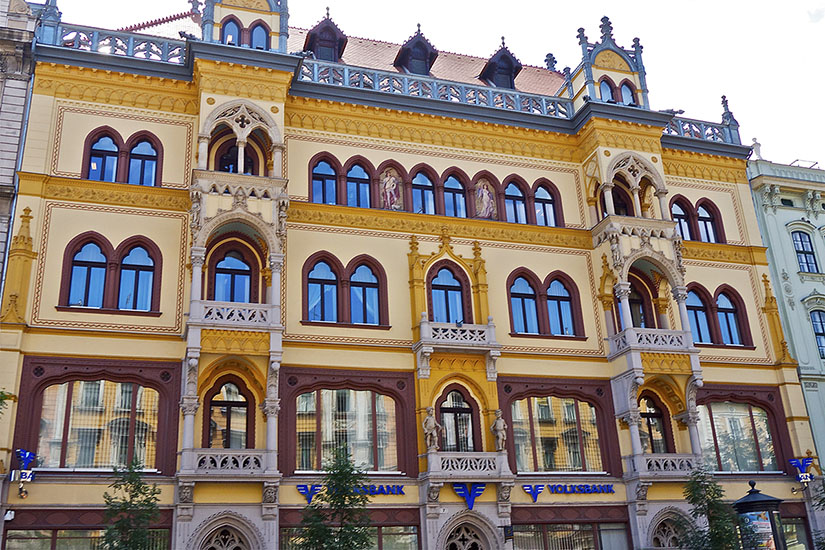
468, 467
233, 315
124, 44
661, 467
456, 337
651, 339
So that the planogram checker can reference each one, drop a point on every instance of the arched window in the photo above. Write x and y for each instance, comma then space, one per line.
514, 204
707, 225
736, 437
628, 95
559, 309
103, 160
323, 183
358, 187
447, 298
228, 161
322, 294
137, 272
728, 321
555, 434
698, 316
818, 321
455, 202
682, 221
233, 278
422, 194
668, 534
143, 164
228, 424
606, 91
654, 439
622, 203
259, 38
364, 421
804, 252
230, 33
457, 424
523, 307
545, 207
88, 277
364, 296
639, 308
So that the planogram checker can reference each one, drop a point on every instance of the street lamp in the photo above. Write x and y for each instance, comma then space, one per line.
761, 512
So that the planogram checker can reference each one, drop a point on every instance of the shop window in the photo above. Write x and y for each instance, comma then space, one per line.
545, 204
389, 537
736, 437
579, 536
259, 38
457, 424
795, 531
88, 277
423, 196
514, 204
818, 322
364, 296
358, 187
804, 252
137, 272
523, 307
233, 277
455, 201
143, 164
363, 421
698, 316
728, 318
322, 294
230, 419
88, 425
447, 297
545, 444
71, 539
324, 181
679, 214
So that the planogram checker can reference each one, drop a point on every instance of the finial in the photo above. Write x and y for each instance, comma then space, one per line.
419, 28
607, 28
582, 38
567, 72
550, 61
725, 103
327, 12
752, 483
502, 42
196, 6
637, 44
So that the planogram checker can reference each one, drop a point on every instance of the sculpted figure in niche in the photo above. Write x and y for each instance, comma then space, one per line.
391, 189
485, 200
499, 429
431, 430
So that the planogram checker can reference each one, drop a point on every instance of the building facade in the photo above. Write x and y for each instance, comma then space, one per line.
789, 207
528, 304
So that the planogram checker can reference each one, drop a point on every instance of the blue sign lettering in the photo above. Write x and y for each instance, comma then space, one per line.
309, 491
580, 489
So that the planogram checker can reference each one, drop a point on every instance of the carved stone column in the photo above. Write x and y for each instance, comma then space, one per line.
277, 160
690, 418
637, 202
241, 153
270, 407
661, 194
622, 290
203, 152
633, 419
198, 255
680, 295
607, 190
189, 406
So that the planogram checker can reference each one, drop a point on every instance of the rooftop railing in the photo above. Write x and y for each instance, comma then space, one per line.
125, 44
335, 74
700, 129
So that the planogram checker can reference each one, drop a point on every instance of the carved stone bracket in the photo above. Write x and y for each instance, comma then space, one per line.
433, 504
491, 358
503, 499
269, 500
189, 404
185, 503
641, 497
422, 359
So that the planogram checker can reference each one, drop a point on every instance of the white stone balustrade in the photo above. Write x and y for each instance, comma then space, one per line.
651, 339
662, 466
232, 462
236, 315
469, 466
632, 226
456, 337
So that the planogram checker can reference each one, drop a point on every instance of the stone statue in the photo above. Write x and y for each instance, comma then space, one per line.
485, 202
757, 149
391, 189
432, 430
499, 429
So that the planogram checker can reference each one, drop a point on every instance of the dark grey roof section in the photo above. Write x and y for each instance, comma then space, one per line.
244, 56
108, 62
706, 147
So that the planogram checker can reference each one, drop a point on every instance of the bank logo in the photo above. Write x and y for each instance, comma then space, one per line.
802, 465
533, 490
309, 491
469, 492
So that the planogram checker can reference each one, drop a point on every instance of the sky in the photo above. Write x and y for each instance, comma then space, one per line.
764, 55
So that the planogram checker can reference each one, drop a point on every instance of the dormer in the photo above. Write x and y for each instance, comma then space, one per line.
609, 73
501, 69
326, 41
254, 24
417, 55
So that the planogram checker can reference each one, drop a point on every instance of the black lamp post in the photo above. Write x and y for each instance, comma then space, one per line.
762, 513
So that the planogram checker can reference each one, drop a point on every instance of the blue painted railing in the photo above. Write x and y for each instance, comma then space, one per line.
126, 44
334, 74
700, 129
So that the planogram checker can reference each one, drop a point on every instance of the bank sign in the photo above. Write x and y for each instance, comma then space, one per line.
572, 489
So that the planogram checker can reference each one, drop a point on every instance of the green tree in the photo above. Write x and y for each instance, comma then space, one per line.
5, 397
337, 517
130, 510
715, 525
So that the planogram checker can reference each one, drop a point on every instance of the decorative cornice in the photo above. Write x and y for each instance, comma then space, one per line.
422, 224
116, 88
619, 134
236, 80
715, 252
688, 164
412, 127
99, 192
234, 341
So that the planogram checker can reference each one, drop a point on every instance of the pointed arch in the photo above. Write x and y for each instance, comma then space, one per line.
91, 138
203, 533
486, 196
551, 188
575, 299
667, 424
372, 176
339, 176
540, 305
380, 274
665, 265
607, 88
131, 143
227, 112
634, 168
73, 247
463, 279
474, 405
741, 313
479, 522
124, 248
442, 199
392, 183
214, 226
716, 215
432, 175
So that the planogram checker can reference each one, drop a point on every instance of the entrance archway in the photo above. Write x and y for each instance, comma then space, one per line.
465, 537
225, 538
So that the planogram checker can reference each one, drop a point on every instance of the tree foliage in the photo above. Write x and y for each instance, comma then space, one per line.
715, 525
130, 510
337, 517
5, 397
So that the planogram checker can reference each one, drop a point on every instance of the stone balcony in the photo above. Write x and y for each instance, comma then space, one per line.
469, 467
661, 467
631, 226
456, 337
234, 315
650, 340
228, 465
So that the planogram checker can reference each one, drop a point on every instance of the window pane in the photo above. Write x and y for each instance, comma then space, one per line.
573, 536
259, 38
763, 436
97, 277
223, 287
357, 304
521, 436
456, 309
146, 426
305, 426
613, 536
50, 442
237, 428
399, 538
242, 285
528, 537
77, 290
590, 436
706, 438
439, 306
735, 437
127, 288
796, 534
346, 419
144, 296
386, 440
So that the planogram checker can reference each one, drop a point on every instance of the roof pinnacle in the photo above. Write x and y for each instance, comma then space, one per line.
327, 12
607, 28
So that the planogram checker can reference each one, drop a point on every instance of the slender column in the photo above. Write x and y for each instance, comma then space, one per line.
661, 194
277, 160
196, 289
661, 312
203, 152
633, 420
622, 290
680, 295
637, 203
607, 189
241, 149
273, 296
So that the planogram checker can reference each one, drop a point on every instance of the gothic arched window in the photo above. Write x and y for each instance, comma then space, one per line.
680, 216
455, 202
559, 309
423, 195
698, 316
103, 160
324, 181
447, 298
457, 423
143, 164
231, 33
545, 207
358, 187
88, 277
514, 204
322, 294
137, 272
233, 278
364, 296
229, 424
707, 225
259, 38
728, 317
523, 307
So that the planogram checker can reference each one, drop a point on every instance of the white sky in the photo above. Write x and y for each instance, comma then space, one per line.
765, 55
